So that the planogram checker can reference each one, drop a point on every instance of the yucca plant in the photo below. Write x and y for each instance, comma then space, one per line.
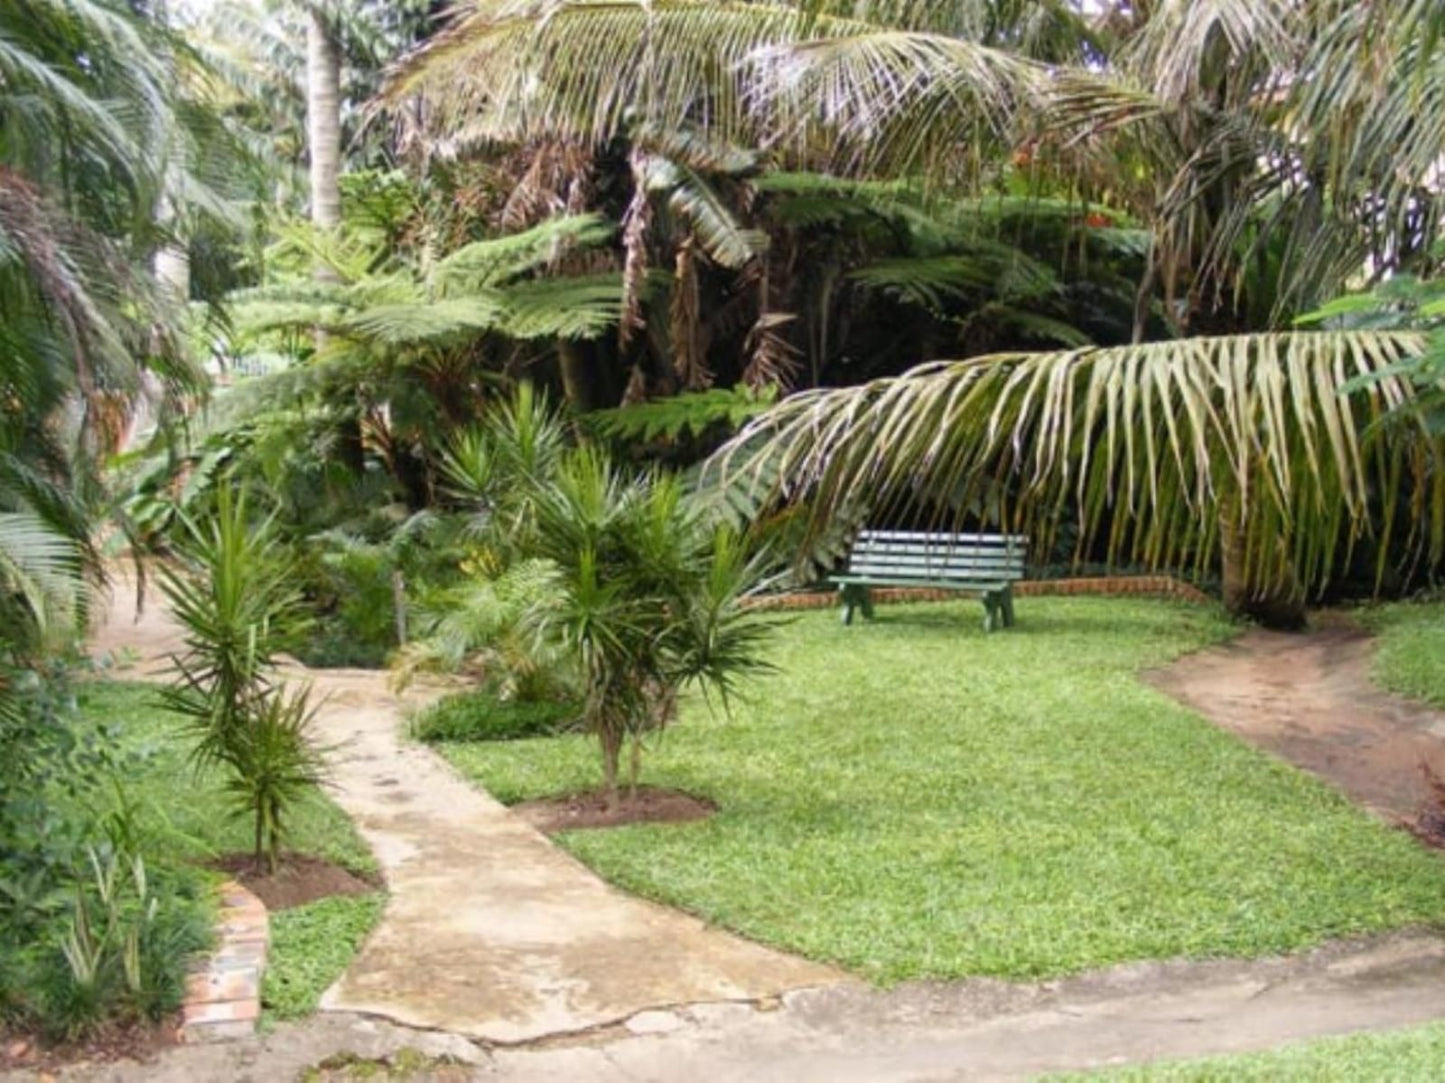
648, 600
235, 598
274, 763
1239, 453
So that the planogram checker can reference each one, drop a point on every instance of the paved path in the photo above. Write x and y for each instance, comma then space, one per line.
490, 930
917, 1033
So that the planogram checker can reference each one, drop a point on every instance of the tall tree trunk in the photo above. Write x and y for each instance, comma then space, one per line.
576, 375
323, 121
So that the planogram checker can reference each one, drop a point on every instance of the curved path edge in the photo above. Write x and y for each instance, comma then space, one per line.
489, 931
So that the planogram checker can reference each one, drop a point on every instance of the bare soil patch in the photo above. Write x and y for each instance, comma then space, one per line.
125, 1042
585, 810
1308, 698
298, 879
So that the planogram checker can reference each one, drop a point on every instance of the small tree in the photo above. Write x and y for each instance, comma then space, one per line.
234, 595
648, 600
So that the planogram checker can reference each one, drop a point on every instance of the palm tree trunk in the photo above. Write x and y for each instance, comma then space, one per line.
323, 133
576, 375
323, 122
1278, 604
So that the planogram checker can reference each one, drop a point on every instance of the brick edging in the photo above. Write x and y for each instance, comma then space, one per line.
223, 992
1156, 586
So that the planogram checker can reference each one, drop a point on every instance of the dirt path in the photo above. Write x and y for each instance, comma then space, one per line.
490, 930
1309, 699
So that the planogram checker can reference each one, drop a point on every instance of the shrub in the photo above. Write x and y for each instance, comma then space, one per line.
482, 716
235, 599
274, 764
647, 599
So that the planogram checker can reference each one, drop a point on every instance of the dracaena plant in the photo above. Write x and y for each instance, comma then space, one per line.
234, 595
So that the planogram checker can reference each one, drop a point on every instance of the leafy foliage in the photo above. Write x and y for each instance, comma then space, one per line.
481, 716
1241, 450
234, 600
688, 414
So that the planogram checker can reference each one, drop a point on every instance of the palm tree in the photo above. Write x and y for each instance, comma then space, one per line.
1273, 147
1237, 453
93, 132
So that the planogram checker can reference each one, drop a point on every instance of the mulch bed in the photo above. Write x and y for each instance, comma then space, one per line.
135, 1041
298, 879
586, 810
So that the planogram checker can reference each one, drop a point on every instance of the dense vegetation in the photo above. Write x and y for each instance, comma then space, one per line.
524, 341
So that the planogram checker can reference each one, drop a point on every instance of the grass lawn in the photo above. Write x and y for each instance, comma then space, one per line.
184, 816
1414, 1054
913, 799
1411, 659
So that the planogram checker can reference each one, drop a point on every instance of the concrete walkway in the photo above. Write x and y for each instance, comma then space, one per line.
916, 1033
490, 930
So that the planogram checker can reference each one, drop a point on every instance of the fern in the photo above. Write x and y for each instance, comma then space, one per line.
500, 260
691, 413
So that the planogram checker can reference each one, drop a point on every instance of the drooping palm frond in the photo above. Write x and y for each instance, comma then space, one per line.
40, 580
1159, 449
593, 69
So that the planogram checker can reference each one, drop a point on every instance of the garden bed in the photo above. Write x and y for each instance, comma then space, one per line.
648, 805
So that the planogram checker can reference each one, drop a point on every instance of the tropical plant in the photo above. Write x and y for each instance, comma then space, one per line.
1239, 453
647, 601
273, 764
1402, 303
235, 598
1271, 148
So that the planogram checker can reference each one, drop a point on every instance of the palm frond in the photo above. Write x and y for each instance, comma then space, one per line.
1160, 446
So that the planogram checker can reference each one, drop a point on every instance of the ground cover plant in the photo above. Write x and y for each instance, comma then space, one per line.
481, 716
916, 800
1411, 638
1414, 1053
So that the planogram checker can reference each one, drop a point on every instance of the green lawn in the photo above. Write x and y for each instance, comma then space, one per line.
914, 799
1414, 1054
1411, 659
184, 818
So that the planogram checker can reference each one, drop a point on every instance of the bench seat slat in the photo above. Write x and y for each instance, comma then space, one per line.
935, 539
919, 551
940, 559
919, 581
1002, 575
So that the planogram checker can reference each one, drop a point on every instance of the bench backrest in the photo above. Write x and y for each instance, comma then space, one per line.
940, 557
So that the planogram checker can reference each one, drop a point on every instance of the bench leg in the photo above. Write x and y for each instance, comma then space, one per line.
1006, 605
856, 597
990, 611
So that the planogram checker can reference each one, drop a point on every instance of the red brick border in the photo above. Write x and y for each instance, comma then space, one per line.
1154, 586
223, 994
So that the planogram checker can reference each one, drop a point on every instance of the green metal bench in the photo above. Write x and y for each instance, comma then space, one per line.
982, 565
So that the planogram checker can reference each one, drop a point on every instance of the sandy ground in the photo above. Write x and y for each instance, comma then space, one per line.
1309, 699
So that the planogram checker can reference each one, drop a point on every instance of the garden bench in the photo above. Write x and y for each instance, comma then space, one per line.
982, 565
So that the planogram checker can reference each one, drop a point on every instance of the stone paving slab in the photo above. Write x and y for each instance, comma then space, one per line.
489, 931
